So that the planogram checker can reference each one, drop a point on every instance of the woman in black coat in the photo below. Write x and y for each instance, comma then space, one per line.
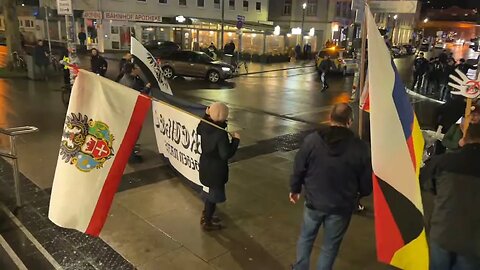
217, 149
98, 64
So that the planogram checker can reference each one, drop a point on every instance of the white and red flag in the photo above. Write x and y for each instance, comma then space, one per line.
102, 125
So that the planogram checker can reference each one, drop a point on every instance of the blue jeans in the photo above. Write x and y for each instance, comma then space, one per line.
334, 226
441, 259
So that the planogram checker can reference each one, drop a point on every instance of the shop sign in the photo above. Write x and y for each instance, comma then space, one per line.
118, 16
92, 14
64, 7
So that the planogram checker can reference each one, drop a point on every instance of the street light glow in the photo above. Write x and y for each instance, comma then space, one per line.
304, 5
425, 21
395, 17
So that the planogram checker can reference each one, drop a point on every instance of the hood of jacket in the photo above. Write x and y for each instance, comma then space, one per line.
335, 139
208, 131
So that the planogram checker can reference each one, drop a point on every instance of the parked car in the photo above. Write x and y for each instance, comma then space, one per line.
398, 51
410, 49
161, 49
424, 47
196, 64
440, 45
344, 63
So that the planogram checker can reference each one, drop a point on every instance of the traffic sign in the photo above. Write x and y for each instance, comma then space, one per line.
240, 21
64, 7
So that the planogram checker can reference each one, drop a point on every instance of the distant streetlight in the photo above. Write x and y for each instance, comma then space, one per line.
425, 21
395, 17
303, 20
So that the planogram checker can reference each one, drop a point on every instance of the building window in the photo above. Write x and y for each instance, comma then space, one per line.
245, 5
338, 9
312, 8
200, 3
182, 2
162, 1
231, 4
287, 8
216, 4
143, 1
258, 6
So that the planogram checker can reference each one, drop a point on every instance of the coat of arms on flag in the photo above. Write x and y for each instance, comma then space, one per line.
87, 144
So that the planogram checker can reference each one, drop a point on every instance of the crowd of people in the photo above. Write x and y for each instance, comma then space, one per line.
431, 76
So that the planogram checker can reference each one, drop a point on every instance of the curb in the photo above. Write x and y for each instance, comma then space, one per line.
274, 70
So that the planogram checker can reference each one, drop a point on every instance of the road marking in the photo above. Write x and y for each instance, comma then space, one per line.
12, 254
30, 237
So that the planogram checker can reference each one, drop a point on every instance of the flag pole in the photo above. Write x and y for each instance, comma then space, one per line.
362, 70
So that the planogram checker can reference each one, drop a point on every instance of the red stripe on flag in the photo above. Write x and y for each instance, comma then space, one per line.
389, 238
411, 149
112, 182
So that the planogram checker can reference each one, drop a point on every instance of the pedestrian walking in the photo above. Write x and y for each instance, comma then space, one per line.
82, 37
323, 69
229, 48
448, 70
420, 67
454, 179
98, 64
298, 52
333, 167
41, 59
217, 149
127, 58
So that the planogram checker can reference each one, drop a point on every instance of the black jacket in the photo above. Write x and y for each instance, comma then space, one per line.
454, 178
134, 82
421, 65
326, 65
465, 67
335, 169
216, 151
40, 57
99, 65
449, 113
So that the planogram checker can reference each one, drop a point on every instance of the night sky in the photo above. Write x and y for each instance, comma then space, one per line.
449, 3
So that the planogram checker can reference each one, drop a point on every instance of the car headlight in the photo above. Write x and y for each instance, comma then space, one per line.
226, 69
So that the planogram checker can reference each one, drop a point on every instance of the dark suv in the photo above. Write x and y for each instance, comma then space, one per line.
195, 64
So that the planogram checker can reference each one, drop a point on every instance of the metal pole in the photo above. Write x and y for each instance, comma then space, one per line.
222, 41
362, 73
48, 30
303, 23
16, 176
66, 29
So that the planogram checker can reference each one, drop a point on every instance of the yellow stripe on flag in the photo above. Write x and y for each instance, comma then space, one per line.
418, 144
414, 255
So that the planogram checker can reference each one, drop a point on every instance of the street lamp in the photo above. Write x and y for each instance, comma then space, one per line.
425, 21
303, 20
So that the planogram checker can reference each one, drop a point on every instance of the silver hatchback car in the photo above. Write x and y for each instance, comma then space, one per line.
196, 64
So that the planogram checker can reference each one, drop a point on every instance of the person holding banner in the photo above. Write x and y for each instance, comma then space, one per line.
132, 79
217, 149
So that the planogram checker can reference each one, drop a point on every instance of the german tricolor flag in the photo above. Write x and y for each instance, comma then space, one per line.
397, 147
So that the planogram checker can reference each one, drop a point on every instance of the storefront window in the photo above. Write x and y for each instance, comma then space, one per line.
150, 33
231, 36
252, 43
205, 38
312, 41
275, 44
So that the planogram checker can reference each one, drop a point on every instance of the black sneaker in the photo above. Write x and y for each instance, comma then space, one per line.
210, 226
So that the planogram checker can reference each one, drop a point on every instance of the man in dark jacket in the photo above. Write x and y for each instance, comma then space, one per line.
132, 79
98, 64
454, 179
229, 48
217, 149
127, 58
41, 60
333, 167
464, 67
420, 67
323, 69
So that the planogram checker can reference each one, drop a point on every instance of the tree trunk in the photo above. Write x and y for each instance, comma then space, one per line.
12, 32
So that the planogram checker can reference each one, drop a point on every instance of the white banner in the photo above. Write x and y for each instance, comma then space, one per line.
177, 139
139, 51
